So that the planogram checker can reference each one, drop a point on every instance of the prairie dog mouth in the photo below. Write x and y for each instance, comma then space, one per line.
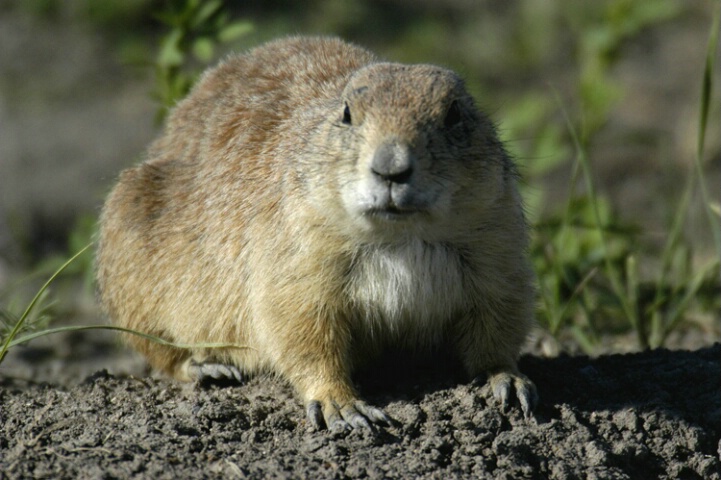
392, 213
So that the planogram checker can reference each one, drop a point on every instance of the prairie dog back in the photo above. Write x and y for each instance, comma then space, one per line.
319, 206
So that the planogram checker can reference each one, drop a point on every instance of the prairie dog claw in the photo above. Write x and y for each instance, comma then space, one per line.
356, 415
216, 371
504, 384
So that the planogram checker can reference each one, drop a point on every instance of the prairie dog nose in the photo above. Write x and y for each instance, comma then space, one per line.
393, 162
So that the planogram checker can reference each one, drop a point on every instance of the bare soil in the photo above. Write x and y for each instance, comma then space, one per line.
655, 414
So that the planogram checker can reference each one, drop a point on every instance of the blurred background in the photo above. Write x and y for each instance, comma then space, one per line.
599, 102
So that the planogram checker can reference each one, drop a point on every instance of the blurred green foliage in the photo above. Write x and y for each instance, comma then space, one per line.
195, 29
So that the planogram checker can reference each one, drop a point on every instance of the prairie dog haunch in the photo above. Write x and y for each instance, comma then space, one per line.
321, 206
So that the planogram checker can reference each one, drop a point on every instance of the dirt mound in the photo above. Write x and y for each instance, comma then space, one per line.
655, 414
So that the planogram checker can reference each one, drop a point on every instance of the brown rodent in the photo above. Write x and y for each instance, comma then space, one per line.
319, 206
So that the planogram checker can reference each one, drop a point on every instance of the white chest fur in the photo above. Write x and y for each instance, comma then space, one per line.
413, 287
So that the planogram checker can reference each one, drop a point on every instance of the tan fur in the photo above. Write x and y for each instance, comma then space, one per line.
257, 219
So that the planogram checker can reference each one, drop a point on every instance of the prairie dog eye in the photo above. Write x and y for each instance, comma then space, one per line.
346, 115
453, 115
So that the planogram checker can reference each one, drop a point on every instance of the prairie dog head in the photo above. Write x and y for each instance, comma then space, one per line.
411, 153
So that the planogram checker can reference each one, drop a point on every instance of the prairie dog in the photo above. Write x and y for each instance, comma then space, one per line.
318, 206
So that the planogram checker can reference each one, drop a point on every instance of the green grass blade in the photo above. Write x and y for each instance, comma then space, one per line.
617, 286
18, 325
161, 341
674, 236
706, 94
691, 292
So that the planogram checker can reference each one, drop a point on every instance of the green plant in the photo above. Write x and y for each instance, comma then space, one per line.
675, 260
35, 319
570, 253
602, 30
82, 233
196, 28
30, 319
587, 261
